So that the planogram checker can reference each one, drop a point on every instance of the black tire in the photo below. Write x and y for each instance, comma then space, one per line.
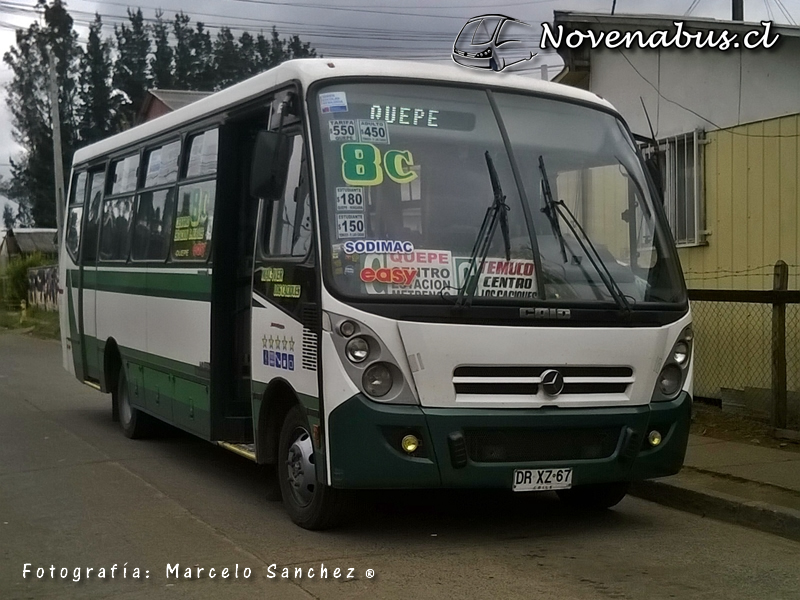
598, 496
310, 504
134, 423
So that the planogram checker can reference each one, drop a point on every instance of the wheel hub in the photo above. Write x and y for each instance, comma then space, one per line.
300, 468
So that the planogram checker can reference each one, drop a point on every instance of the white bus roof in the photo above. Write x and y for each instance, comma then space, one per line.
309, 70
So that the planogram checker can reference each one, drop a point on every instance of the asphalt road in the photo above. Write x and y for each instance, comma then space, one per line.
75, 493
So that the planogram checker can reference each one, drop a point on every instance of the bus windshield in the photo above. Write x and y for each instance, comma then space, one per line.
406, 188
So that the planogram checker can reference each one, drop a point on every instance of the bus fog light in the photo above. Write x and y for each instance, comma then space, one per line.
357, 350
410, 443
377, 380
669, 380
680, 354
347, 328
654, 438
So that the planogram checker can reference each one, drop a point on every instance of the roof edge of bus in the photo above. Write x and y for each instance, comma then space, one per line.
308, 70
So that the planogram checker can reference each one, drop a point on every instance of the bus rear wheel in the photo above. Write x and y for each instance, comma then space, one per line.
310, 504
596, 496
135, 424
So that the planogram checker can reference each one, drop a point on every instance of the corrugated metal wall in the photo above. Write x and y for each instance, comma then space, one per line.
752, 198
752, 195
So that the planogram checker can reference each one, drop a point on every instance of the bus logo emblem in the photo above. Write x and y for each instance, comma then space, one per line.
552, 383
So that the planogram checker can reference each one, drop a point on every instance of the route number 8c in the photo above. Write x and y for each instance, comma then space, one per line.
362, 165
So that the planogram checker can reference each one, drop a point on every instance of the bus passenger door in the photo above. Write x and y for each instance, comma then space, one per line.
286, 317
88, 278
69, 277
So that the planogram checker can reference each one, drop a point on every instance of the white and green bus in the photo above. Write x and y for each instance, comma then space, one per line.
378, 274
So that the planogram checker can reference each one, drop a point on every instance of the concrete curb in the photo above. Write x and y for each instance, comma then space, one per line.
770, 518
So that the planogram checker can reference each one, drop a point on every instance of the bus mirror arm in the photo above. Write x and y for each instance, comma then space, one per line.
268, 170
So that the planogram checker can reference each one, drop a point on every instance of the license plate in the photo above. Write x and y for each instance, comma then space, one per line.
532, 480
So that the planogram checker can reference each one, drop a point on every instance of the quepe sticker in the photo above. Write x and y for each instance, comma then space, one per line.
350, 198
333, 102
373, 131
342, 130
350, 226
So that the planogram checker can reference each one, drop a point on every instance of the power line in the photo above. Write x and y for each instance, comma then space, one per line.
692, 6
697, 114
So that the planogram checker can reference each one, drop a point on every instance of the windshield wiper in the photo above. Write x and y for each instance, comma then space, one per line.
550, 209
555, 208
496, 213
604, 273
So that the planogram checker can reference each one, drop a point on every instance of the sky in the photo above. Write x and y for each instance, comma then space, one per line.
414, 30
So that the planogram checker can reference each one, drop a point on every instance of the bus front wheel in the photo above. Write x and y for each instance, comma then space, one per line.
310, 504
596, 496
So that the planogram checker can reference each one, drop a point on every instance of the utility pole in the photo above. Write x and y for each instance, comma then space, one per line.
58, 163
738, 10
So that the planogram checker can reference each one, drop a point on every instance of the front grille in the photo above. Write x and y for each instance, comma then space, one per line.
525, 380
528, 445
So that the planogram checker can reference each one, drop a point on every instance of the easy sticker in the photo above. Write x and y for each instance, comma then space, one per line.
398, 275
350, 198
333, 102
341, 130
373, 131
350, 226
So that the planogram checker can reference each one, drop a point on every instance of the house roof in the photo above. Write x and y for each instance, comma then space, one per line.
34, 240
567, 17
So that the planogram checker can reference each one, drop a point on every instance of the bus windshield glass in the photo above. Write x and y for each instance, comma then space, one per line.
406, 188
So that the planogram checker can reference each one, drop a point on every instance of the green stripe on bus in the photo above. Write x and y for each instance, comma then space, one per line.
182, 286
189, 372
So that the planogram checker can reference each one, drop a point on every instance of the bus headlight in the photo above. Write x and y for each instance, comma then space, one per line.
669, 380
357, 350
676, 368
347, 328
680, 353
377, 380
369, 362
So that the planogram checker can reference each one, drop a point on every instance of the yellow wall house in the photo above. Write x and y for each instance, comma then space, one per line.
728, 125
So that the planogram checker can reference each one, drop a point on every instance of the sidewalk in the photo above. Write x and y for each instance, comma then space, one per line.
739, 483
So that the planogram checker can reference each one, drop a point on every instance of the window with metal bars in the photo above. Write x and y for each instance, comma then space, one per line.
682, 166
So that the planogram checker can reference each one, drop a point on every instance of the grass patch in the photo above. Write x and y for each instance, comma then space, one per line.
40, 323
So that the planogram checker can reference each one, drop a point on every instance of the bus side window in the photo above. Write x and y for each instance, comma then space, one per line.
115, 234
289, 232
96, 185
75, 215
153, 225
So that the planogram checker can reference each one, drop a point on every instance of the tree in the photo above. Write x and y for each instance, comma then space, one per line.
228, 60
183, 51
249, 56
32, 183
203, 77
161, 66
131, 68
8, 216
98, 110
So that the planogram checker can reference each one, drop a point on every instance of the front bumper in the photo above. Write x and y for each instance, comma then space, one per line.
482, 447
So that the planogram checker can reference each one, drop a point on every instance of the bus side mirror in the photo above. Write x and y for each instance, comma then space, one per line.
268, 171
